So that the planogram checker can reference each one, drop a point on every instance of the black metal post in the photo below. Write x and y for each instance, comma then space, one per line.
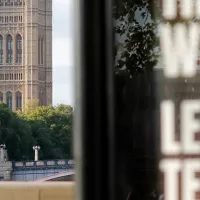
93, 127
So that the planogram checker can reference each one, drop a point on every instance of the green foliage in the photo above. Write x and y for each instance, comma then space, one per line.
136, 25
47, 126
31, 105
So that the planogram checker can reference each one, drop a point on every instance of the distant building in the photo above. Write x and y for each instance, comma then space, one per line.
25, 52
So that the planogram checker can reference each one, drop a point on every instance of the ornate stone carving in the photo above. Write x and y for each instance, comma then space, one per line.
24, 28
8, 87
18, 87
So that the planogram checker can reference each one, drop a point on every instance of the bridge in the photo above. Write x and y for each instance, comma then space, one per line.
62, 176
42, 170
38, 170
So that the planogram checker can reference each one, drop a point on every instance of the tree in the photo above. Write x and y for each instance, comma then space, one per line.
47, 126
42, 137
31, 105
52, 130
15, 133
62, 128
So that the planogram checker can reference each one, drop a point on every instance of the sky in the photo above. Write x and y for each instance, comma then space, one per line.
63, 70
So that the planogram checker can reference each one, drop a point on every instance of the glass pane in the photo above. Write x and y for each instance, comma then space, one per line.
36, 109
157, 99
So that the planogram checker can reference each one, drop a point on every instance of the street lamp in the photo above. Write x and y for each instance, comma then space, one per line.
6, 175
2, 147
36, 148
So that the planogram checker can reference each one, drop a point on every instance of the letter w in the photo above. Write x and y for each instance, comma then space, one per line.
179, 49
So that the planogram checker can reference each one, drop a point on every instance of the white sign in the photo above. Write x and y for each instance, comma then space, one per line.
180, 47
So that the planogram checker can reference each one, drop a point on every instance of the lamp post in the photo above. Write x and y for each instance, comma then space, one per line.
36, 148
6, 176
2, 147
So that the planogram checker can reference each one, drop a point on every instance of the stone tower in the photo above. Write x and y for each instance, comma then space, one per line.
25, 52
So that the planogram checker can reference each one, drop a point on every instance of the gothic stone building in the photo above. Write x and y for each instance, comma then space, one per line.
25, 52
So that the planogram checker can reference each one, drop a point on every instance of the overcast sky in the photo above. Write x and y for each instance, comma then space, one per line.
62, 52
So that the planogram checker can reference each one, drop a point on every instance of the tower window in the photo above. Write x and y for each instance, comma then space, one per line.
42, 49
39, 51
9, 49
18, 100
19, 49
1, 96
1, 77
9, 100
1, 49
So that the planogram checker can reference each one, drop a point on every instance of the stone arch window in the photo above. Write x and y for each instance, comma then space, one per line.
1, 49
18, 100
9, 99
19, 49
9, 41
1, 97
39, 50
41, 98
42, 50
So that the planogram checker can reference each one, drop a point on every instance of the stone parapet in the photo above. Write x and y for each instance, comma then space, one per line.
37, 191
5, 170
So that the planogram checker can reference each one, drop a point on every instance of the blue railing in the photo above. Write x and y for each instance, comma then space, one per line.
67, 164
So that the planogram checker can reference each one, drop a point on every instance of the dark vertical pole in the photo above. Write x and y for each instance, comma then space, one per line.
93, 127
